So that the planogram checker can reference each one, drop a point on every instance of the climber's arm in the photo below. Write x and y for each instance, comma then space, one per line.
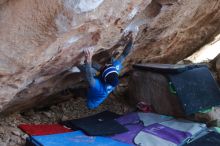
88, 66
126, 51
118, 62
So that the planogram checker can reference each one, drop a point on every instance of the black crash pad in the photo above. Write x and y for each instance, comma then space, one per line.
193, 83
196, 89
211, 139
166, 68
97, 125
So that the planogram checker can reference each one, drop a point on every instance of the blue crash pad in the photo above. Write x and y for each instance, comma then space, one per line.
77, 138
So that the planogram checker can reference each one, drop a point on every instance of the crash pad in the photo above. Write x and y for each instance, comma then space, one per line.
101, 124
157, 135
43, 129
31, 143
167, 68
132, 122
193, 128
172, 132
152, 118
77, 138
146, 139
210, 139
196, 89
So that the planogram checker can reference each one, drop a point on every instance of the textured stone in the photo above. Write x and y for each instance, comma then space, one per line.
41, 40
3, 144
153, 89
16, 133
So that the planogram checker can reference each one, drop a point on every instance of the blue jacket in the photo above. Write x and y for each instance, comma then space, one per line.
98, 90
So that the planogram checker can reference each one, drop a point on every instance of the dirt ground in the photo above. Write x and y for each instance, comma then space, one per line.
10, 135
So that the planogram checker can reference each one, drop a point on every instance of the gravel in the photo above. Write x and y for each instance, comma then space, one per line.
75, 108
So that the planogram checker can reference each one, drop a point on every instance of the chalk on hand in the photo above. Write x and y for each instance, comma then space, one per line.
74, 69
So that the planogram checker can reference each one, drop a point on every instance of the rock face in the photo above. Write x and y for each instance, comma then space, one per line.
153, 89
41, 40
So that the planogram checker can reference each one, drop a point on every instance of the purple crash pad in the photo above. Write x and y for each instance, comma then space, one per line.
133, 124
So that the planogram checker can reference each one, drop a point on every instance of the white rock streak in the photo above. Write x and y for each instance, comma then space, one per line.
134, 26
207, 52
80, 6
133, 13
71, 41
61, 22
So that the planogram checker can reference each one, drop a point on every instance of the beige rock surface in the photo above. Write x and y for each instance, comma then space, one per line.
40, 40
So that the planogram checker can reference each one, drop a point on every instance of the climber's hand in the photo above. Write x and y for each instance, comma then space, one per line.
127, 37
128, 48
88, 52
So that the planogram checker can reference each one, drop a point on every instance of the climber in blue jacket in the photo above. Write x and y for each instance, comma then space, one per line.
102, 85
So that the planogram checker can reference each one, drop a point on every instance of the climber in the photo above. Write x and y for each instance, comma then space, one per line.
100, 86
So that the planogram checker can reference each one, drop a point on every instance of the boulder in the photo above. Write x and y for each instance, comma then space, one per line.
42, 40
152, 88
